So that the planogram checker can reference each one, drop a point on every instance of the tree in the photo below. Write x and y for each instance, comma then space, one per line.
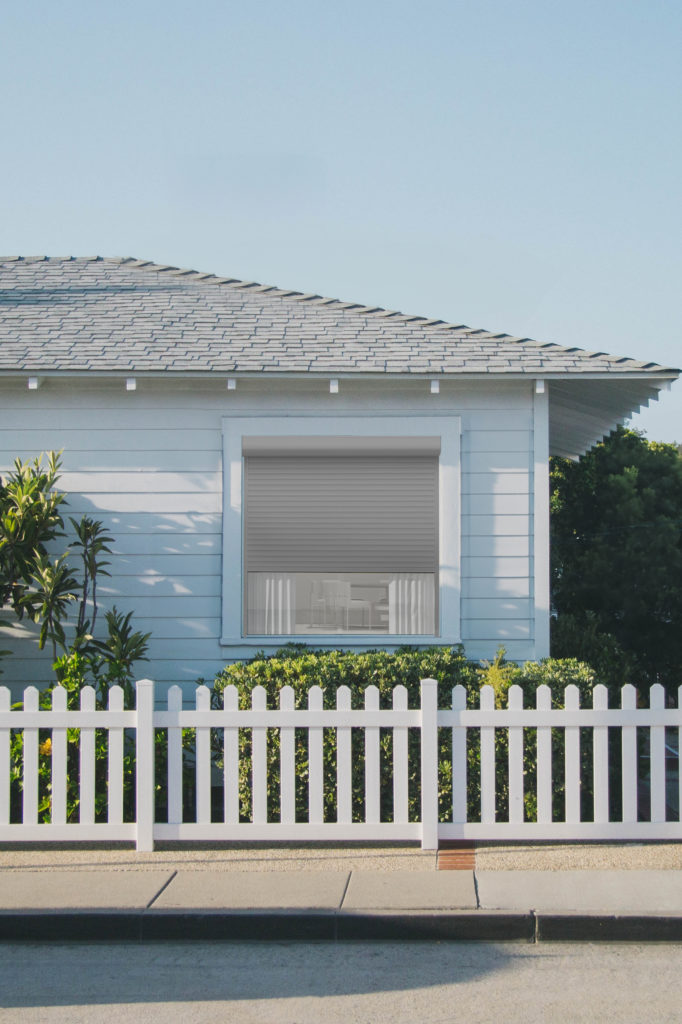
616, 534
43, 586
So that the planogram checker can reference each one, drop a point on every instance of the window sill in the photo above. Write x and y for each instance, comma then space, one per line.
340, 640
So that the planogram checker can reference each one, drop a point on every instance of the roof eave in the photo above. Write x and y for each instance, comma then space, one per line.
657, 374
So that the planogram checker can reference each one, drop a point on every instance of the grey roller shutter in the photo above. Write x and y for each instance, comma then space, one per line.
341, 512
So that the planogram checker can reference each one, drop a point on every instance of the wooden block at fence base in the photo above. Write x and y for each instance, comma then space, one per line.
454, 855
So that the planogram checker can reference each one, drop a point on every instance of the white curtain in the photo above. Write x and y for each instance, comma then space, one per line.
271, 603
411, 603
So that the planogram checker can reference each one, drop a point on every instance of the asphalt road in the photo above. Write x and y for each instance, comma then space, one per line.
349, 983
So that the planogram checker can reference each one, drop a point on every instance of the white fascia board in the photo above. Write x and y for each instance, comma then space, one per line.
656, 379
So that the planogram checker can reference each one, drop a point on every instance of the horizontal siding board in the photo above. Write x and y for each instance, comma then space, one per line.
163, 670
134, 544
96, 437
506, 547
496, 462
100, 460
487, 629
495, 526
136, 410
495, 504
154, 524
139, 482
94, 503
177, 626
160, 648
165, 606
495, 483
135, 415
515, 650
182, 628
493, 441
163, 586
497, 568
148, 567
183, 648
486, 609
495, 587
204, 629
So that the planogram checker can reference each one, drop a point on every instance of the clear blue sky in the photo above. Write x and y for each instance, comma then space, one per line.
509, 164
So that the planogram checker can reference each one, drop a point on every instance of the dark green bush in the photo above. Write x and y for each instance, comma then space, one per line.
301, 667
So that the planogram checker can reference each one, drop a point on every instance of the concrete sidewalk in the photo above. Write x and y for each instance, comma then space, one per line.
323, 893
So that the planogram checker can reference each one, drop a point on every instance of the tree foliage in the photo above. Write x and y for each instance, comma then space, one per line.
616, 534
45, 586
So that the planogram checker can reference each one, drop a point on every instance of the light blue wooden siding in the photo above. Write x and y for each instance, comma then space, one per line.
149, 465
496, 528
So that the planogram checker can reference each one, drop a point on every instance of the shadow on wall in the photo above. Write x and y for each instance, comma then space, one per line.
165, 569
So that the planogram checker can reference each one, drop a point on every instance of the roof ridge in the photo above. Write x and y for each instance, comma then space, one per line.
312, 298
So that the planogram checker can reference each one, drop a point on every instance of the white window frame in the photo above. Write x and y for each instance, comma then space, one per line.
239, 426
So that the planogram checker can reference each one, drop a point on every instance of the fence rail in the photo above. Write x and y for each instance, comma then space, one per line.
339, 773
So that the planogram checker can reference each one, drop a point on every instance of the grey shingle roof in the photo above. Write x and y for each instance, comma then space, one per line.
127, 315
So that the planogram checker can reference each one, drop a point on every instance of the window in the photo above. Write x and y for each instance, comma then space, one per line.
337, 529
340, 536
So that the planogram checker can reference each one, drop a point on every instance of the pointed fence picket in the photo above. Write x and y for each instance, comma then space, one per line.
600, 758
174, 767
86, 772
344, 762
372, 762
515, 767
315, 761
287, 761
30, 780
400, 748
231, 755
59, 761
657, 758
629, 755
543, 764
114, 761
320, 772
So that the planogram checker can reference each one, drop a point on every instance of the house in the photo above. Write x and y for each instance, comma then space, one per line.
277, 466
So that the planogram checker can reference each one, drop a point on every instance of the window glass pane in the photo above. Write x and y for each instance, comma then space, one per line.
287, 603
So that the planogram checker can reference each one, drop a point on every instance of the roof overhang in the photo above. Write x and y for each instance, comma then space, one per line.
583, 408
583, 412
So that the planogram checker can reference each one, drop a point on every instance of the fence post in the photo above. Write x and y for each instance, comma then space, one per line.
429, 759
144, 767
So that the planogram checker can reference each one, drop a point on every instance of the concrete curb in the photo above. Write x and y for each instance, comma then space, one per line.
496, 926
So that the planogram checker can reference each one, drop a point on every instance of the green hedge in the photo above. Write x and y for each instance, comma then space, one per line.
301, 667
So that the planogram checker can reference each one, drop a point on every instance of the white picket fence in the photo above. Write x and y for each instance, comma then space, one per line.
648, 762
